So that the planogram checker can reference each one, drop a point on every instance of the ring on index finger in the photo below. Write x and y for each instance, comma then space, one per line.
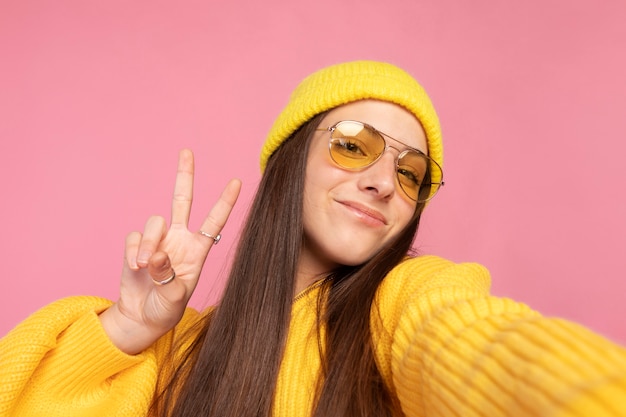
216, 239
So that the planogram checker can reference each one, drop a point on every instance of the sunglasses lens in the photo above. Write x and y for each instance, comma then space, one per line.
418, 176
412, 169
354, 145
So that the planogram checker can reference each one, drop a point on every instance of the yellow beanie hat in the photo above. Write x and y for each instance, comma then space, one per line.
347, 82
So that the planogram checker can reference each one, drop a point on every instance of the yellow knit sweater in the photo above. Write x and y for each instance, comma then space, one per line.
446, 347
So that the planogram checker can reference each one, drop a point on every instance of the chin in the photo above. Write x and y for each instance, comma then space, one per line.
356, 259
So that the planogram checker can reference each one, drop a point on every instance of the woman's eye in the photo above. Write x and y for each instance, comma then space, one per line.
352, 146
408, 176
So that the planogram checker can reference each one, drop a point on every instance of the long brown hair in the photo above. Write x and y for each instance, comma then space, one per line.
231, 367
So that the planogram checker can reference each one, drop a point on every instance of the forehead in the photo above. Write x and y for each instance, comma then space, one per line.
391, 119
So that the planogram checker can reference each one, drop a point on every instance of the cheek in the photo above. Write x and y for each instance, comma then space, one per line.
406, 211
323, 176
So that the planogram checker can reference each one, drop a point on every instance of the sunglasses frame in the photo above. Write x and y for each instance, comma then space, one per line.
401, 154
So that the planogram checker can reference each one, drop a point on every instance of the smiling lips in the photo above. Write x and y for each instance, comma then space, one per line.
367, 214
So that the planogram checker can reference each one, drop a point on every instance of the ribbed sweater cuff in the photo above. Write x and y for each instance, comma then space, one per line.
88, 357
60, 362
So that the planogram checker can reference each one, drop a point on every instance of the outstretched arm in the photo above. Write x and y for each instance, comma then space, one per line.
453, 349
145, 310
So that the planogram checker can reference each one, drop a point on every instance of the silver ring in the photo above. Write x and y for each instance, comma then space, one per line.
216, 239
166, 280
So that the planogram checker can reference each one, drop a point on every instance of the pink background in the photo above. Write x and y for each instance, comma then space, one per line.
97, 97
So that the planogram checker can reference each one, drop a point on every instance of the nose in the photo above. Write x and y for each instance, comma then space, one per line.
379, 178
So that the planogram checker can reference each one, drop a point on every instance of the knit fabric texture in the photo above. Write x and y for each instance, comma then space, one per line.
352, 81
443, 345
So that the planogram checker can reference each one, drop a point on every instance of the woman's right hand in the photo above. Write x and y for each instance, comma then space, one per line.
145, 310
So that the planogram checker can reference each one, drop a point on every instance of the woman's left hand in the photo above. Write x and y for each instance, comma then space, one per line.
162, 265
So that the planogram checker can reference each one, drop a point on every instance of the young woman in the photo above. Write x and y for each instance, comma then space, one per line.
325, 312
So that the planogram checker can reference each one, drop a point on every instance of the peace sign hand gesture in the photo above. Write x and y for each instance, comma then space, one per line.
162, 266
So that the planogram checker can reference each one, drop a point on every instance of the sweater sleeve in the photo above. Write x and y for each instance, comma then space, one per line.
454, 350
60, 362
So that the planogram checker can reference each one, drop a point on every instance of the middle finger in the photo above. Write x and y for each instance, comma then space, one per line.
183, 189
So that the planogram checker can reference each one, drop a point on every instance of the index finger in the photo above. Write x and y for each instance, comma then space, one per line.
183, 189
218, 215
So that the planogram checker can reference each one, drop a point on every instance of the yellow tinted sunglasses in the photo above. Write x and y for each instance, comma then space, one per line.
356, 145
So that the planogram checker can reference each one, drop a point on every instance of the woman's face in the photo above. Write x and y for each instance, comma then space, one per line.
350, 214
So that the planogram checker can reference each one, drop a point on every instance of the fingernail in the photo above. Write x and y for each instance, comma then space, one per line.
143, 257
133, 263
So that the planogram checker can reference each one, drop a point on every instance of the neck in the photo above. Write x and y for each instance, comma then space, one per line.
310, 270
